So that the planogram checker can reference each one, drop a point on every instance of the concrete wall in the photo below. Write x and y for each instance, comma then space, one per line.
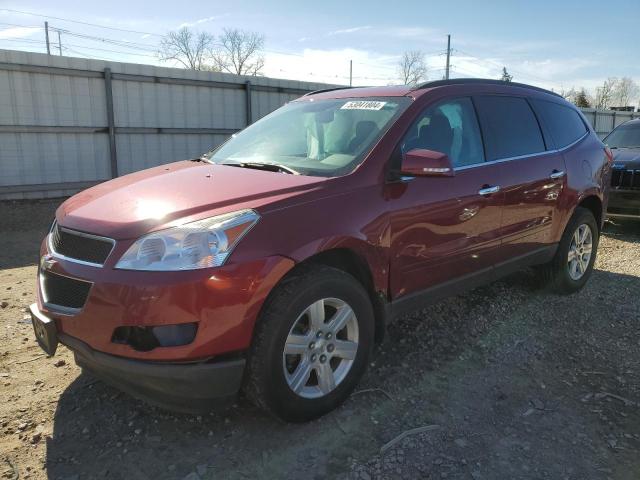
57, 136
54, 118
603, 121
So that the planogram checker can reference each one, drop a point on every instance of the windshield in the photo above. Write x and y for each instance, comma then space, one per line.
313, 137
625, 136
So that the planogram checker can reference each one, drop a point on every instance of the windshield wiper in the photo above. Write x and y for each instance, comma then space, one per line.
271, 167
202, 158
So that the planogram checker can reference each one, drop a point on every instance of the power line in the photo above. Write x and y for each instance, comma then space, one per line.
19, 39
23, 26
523, 74
79, 22
121, 43
84, 47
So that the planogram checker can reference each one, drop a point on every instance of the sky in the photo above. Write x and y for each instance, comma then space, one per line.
556, 44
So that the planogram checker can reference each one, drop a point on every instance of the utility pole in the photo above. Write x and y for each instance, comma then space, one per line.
46, 33
446, 72
59, 44
350, 72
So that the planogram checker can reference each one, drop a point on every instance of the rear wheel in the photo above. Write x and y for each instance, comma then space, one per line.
311, 344
573, 262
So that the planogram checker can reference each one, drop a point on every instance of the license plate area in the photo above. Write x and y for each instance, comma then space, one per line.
44, 329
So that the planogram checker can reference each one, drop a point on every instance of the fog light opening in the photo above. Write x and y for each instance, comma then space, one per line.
144, 339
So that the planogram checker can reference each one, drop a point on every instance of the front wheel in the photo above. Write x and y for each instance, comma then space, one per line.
573, 262
311, 344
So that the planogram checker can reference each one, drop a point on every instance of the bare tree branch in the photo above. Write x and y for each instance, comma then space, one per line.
568, 95
624, 92
412, 68
604, 94
239, 52
187, 48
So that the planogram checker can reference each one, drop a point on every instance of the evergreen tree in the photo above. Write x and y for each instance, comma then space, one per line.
505, 75
582, 100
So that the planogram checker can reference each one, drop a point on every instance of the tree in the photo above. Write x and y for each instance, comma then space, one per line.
412, 68
604, 93
568, 95
505, 75
581, 99
239, 52
187, 47
624, 92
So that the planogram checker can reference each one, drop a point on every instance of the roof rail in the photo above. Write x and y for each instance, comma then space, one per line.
326, 90
463, 81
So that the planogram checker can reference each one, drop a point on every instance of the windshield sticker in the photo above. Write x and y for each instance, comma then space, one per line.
363, 105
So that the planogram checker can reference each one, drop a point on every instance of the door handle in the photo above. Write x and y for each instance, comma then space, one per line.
557, 174
488, 190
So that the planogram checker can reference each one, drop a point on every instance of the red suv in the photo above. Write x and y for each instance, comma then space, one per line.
273, 263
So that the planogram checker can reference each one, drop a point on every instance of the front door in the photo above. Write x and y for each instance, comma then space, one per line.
445, 228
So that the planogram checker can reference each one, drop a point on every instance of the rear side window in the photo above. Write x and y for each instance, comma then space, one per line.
565, 123
509, 126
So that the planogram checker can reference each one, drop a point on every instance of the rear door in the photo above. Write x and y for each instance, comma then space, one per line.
445, 228
532, 172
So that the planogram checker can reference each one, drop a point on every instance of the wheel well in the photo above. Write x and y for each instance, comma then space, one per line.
350, 262
594, 204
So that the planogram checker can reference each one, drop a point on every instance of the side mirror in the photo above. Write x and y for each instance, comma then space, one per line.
426, 163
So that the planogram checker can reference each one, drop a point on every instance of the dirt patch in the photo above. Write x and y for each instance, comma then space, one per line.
518, 383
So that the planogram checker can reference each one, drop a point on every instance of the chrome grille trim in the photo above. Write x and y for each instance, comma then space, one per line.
625, 179
54, 307
60, 256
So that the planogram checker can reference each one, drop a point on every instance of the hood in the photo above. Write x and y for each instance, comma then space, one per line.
628, 158
132, 205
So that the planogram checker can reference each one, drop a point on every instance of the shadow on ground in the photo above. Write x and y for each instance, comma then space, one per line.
506, 372
24, 225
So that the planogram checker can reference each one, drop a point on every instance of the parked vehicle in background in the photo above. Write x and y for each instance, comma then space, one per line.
624, 141
273, 263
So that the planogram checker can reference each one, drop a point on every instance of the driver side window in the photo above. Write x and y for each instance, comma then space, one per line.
449, 127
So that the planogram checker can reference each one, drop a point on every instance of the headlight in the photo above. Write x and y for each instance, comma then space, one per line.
202, 244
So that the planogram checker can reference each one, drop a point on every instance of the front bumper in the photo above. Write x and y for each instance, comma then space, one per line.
193, 387
624, 203
190, 388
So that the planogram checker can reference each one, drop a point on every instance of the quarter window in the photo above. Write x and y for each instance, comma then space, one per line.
510, 127
565, 123
450, 127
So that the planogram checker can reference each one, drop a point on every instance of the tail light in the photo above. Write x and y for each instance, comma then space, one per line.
609, 154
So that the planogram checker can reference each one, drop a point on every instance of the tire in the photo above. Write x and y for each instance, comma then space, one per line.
291, 318
560, 275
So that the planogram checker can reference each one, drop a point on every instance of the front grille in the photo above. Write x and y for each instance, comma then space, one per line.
80, 246
625, 179
64, 291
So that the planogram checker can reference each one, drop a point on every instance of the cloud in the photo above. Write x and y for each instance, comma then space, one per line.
551, 73
18, 32
412, 32
200, 21
348, 30
332, 66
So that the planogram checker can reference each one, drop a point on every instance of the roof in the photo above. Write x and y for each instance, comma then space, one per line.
349, 92
406, 90
482, 81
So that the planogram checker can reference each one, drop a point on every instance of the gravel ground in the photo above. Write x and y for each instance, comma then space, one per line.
506, 381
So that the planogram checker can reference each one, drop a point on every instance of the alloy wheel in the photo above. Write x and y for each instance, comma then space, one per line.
580, 251
320, 348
